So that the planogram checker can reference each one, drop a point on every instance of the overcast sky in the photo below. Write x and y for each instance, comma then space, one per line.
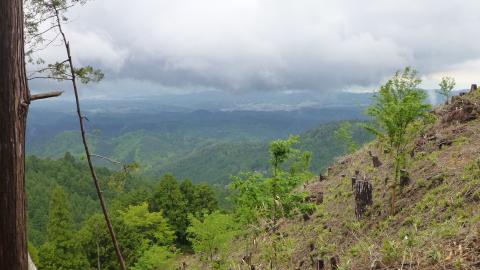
176, 46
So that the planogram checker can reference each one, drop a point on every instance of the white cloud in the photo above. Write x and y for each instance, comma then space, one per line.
93, 47
253, 45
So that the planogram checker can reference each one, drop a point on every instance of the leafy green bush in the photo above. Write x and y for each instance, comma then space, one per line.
212, 236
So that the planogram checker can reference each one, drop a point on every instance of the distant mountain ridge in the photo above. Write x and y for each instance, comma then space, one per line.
212, 101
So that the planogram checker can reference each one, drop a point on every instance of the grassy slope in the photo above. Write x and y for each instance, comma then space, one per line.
438, 221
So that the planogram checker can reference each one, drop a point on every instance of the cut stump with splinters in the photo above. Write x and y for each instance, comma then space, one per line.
363, 197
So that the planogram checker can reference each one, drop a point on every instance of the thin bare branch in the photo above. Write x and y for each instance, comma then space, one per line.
85, 145
49, 77
45, 95
33, 50
44, 31
123, 166
107, 159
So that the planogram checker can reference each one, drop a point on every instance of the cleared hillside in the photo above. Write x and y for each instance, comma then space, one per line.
437, 220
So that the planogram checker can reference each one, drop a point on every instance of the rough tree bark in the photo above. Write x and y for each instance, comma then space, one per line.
14, 100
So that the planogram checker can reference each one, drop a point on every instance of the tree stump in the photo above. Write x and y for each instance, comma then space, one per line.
363, 197
247, 258
444, 142
334, 262
316, 198
319, 198
473, 87
319, 265
354, 179
404, 178
375, 160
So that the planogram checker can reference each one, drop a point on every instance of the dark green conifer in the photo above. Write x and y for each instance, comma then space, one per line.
62, 250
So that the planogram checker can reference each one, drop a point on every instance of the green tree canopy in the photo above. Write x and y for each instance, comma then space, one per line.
156, 258
256, 196
152, 225
280, 151
200, 198
212, 236
204, 199
62, 249
169, 199
188, 190
138, 231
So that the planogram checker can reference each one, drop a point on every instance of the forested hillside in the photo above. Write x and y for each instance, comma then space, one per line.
216, 162
150, 215
194, 154
44, 175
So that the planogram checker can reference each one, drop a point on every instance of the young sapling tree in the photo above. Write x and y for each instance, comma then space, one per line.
446, 87
344, 133
397, 106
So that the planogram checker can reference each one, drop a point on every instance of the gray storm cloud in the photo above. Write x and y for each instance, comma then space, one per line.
248, 45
